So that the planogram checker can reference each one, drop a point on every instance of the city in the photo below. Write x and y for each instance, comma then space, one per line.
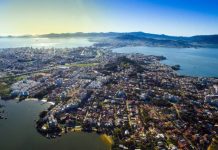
134, 100
108, 75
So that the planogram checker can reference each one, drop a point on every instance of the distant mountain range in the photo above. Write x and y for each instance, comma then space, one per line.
137, 38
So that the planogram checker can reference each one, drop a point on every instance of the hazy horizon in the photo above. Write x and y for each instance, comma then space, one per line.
171, 17
35, 35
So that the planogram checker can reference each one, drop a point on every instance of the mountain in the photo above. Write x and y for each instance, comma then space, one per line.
154, 40
170, 41
207, 39
148, 38
136, 38
79, 34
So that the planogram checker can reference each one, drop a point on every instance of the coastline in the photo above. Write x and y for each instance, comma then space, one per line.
55, 121
108, 140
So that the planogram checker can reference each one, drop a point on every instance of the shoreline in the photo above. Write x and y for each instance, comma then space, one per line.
101, 110
44, 100
104, 137
107, 139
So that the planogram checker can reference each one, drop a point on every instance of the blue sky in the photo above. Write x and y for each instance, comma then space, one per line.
173, 17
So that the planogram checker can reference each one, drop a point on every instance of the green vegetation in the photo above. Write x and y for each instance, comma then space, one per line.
145, 116
176, 67
5, 84
124, 63
43, 93
107, 139
214, 144
81, 65
4, 89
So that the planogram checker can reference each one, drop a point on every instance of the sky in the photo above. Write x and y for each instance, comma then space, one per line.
172, 17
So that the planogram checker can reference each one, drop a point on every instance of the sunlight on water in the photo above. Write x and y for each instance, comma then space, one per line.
44, 42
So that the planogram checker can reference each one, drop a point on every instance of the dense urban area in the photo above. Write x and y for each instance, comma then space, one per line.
133, 99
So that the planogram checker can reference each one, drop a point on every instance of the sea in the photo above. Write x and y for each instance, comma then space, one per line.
18, 132
200, 62
44, 42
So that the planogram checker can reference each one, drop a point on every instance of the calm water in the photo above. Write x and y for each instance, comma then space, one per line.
193, 62
44, 42
18, 131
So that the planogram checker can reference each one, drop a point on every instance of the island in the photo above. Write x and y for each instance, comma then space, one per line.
176, 67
